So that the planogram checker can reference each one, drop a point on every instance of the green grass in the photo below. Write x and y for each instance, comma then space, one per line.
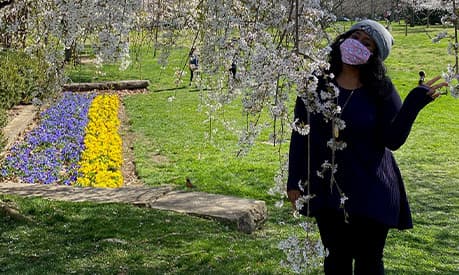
86, 238
170, 145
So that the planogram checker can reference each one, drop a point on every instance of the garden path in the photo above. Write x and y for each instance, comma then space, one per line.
245, 214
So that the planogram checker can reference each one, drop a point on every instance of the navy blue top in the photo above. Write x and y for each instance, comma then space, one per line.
367, 172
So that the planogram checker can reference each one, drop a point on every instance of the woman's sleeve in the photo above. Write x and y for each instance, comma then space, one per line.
298, 150
398, 118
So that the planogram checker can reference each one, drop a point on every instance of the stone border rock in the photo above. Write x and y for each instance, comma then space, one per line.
19, 124
246, 214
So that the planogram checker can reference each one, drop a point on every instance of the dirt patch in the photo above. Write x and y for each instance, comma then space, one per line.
159, 159
84, 60
14, 112
128, 168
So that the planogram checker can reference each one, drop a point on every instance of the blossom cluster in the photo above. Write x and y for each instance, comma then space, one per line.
303, 254
51, 151
100, 164
451, 76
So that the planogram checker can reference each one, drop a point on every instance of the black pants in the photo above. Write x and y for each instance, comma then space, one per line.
191, 75
360, 241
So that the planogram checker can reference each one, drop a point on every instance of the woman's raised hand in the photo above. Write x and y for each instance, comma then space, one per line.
433, 86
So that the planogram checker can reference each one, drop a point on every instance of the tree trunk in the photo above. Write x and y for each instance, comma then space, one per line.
110, 85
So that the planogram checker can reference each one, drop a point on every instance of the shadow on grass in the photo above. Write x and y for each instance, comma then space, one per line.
169, 89
87, 238
190, 89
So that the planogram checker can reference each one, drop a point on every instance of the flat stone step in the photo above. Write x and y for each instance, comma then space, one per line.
245, 214
19, 124
139, 195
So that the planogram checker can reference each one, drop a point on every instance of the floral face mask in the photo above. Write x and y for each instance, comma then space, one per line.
353, 52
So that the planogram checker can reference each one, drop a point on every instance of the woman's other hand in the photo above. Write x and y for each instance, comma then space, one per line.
293, 196
432, 87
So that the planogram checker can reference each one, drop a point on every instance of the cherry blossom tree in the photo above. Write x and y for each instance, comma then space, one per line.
277, 48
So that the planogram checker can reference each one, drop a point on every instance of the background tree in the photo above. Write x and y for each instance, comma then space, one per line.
53, 27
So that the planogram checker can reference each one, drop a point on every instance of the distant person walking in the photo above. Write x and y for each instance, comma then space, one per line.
193, 63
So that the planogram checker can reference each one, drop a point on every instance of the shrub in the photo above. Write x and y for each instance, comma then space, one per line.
23, 78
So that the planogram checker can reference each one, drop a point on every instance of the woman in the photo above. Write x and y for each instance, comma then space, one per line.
357, 204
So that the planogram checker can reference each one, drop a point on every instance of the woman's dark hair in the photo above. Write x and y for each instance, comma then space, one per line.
372, 74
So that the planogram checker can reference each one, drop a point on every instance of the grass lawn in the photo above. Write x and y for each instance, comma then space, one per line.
171, 144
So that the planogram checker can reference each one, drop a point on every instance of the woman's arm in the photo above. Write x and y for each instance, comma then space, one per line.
396, 131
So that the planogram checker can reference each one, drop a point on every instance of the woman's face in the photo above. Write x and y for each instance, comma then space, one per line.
365, 39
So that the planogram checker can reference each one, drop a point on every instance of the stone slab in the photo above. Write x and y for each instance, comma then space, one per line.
138, 195
245, 214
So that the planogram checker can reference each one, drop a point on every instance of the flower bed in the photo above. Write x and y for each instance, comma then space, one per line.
55, 151
100, 165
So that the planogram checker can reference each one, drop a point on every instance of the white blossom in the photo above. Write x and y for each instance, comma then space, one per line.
327, 166
452, 79
342, 200
303, 200
440, 36
336, 145
300, 127
302, 255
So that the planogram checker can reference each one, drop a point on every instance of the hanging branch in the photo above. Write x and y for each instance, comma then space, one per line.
455, 22
297, 26
451, 76
274, 115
